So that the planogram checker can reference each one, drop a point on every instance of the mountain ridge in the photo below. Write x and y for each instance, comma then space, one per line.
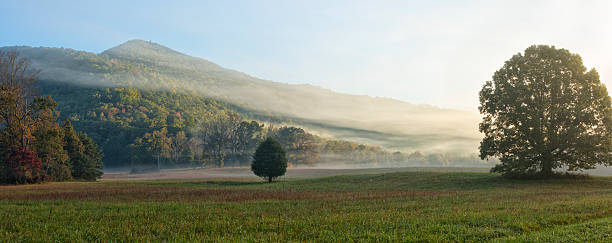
148, 65
143, 44
112, 52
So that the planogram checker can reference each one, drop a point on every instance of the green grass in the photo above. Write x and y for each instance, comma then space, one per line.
403, 206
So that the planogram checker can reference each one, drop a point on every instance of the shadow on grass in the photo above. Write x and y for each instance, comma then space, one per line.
461, 181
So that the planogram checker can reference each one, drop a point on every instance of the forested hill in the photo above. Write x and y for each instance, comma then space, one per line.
116, 117
136, 128
390, 123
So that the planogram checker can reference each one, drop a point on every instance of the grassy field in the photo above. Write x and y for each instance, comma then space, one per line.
382, 206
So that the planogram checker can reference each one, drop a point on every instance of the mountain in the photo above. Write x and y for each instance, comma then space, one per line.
382, 121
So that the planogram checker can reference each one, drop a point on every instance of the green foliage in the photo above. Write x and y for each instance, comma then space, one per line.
204, 132
270, 160
151, 147
92, 167
300, 145
115, 118
544, 111
49, 145
84, 156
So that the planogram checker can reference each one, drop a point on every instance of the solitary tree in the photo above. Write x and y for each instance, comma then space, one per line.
543, 111
269, 160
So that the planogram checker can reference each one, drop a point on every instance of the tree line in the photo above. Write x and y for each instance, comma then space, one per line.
227, 140
34, 146
155, 129
224, 139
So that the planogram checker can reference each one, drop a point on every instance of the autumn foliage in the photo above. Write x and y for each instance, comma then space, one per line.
33, 147
23, 166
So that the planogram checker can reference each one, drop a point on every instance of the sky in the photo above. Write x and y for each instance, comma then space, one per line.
422, 52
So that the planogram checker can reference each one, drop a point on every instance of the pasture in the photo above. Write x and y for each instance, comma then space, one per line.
408, 204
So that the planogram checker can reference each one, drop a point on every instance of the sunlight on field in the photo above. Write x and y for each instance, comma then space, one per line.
370, 205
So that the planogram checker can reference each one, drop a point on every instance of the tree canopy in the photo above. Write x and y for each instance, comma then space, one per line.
543, 111
270, 160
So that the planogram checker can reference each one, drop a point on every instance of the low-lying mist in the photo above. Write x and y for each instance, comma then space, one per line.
385, 122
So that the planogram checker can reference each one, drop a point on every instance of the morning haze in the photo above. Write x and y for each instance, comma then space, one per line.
435, 53
305, 121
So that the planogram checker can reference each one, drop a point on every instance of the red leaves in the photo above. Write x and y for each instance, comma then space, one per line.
23, 166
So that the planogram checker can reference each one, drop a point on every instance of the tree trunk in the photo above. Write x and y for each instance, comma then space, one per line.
269, 179
158, 164
547, 168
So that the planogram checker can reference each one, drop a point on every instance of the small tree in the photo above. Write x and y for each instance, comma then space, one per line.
270, 160
543, 111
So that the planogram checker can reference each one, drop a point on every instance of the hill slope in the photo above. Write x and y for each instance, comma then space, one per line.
386, 122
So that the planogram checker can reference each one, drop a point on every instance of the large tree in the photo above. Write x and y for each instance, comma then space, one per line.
18, 105
542, 111
217, 134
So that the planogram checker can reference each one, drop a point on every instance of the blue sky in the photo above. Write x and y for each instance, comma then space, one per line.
434, 52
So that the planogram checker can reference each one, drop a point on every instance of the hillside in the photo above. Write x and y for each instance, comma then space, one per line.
115, 117
126, 121
390, 123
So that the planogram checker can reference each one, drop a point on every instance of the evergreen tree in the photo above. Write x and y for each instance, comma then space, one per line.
84, 156
93, 165
543, 111
270, 160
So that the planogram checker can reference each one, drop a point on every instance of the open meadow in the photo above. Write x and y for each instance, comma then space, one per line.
407, 204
